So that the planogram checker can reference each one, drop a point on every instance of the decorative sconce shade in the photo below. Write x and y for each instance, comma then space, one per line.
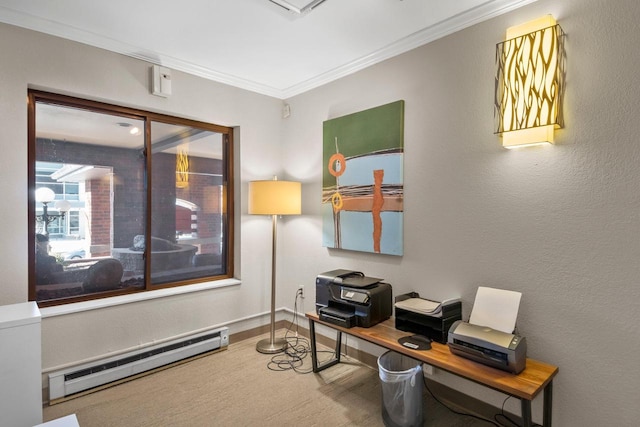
530, 83
275, 198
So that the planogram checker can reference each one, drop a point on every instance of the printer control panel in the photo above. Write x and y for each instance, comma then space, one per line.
514, 342
355, 296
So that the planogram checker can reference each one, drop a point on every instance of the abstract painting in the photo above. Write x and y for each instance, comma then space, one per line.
362, 180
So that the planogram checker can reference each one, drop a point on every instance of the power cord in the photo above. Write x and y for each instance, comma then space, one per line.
298, 347
503, 415
497, 422
453, 410
506, 417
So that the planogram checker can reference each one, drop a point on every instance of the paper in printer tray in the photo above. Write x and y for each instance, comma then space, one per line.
414, 316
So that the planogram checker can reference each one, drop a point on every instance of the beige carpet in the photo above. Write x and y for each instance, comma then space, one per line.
235, 387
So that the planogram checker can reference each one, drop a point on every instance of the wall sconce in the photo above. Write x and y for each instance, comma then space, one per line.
530, 83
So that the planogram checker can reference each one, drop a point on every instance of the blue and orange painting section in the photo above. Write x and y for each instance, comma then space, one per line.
362, 180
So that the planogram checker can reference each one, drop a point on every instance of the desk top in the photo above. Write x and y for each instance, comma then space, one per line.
525, 385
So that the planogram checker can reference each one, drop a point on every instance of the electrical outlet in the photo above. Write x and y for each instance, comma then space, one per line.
427, 369
301, 291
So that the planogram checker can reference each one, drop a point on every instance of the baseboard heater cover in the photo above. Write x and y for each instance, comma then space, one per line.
84, 377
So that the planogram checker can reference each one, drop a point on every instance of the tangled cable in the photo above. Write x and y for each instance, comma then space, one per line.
297, 349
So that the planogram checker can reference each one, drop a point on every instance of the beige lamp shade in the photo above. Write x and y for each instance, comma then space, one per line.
275, 197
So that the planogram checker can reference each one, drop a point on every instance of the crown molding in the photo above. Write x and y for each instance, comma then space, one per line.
38, 24
299, 10
456, 23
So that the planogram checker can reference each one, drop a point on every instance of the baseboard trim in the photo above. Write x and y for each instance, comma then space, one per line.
257, 331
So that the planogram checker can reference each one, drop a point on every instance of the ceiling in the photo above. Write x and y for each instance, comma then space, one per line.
256, 45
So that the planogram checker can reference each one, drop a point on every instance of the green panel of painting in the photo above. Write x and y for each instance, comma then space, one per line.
362, 180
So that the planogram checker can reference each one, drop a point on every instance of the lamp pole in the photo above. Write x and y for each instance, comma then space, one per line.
45, 196
46, 219
274, 198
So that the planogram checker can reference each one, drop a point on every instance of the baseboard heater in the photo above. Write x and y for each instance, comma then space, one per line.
84, 377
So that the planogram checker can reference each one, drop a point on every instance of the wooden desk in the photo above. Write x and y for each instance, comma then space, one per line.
536, 377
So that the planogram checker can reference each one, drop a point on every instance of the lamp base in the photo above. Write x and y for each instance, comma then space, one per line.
266, 346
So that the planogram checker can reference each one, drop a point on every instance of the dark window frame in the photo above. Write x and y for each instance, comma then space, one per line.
148, 117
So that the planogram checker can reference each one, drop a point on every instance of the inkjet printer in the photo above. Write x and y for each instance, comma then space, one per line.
488, 346
348, 298
429, 318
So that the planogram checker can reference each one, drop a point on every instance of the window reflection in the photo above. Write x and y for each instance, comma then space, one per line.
92, 163
187, 189
90, 198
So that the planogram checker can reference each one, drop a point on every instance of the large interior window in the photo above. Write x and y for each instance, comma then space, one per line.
123, 200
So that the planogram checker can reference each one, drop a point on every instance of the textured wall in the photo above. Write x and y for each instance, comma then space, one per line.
560, 224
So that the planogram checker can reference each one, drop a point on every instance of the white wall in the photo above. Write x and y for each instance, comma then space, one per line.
560, 224
33, 60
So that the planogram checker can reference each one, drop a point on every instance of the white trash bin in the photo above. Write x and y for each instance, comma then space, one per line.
401, 378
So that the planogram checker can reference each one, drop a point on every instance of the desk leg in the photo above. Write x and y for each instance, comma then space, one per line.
546, 408
314, 351
546, 405
312, 338
526, 413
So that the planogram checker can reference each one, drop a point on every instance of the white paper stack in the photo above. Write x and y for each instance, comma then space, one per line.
496, 308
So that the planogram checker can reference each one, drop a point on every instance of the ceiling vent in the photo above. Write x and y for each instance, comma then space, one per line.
298, 6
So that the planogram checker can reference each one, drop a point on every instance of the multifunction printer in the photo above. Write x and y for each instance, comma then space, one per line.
349, 298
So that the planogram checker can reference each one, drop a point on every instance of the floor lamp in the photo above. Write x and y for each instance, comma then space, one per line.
274, 198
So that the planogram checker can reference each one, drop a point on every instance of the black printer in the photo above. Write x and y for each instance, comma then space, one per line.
433, 322
348, 298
